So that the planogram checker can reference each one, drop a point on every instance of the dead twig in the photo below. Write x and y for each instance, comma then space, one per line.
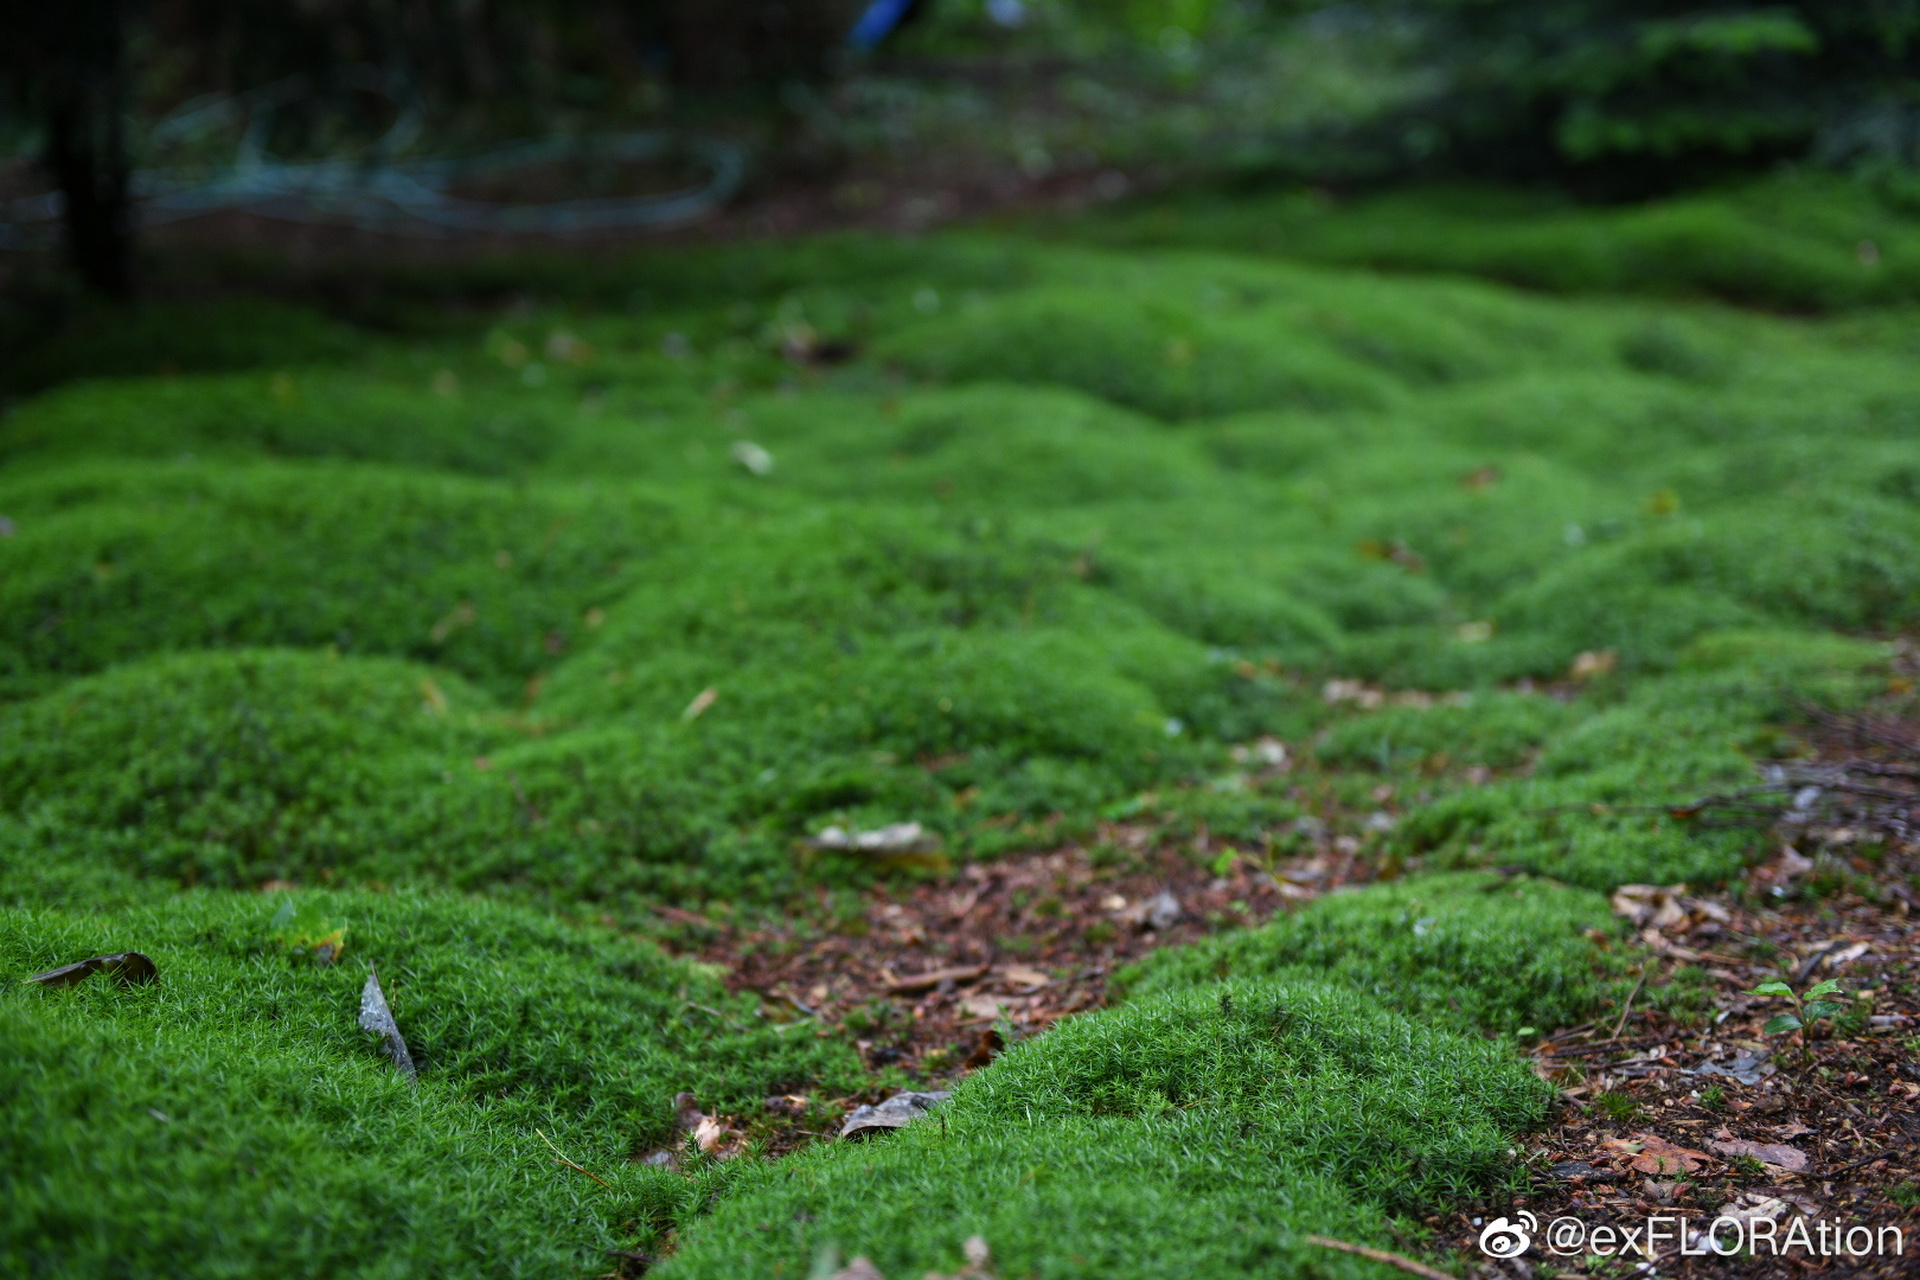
679, 915
1608, 1046
1812, 962
928, 981
1628, 1010
716, 1013
1401, 1261
577, 1168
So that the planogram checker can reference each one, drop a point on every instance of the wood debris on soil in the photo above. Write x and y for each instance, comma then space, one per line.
1691, 1115
1707, 1116
934, 977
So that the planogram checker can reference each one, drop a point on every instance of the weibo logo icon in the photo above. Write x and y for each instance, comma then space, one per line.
1508, 1238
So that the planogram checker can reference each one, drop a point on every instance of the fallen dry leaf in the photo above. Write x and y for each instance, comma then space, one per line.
130, 967
895, 837
1594, 662
1650, 906
1021, 976
1791, 1159
982, 1006
377, 1017
1160, 912
710, 1134
895, 1113
1651, 1154
1751, 1207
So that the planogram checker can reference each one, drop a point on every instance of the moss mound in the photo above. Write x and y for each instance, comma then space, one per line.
113, 561
203, 1122
615, 599
1208, 1126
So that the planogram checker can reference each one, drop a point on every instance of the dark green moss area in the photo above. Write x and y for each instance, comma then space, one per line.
497, 617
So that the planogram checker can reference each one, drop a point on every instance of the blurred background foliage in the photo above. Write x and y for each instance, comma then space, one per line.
1606, 98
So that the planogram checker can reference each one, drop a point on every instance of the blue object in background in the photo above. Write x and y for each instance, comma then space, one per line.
881, 19
1008, 13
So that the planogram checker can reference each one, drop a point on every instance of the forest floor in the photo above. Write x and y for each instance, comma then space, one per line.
1667, 1120
1286, 706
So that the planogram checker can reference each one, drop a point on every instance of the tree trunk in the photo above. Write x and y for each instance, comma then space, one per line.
86, 149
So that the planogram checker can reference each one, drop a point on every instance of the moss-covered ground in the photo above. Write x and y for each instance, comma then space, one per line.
484, 629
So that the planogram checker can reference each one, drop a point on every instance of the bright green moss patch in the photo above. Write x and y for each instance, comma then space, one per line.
616, 597
114, 561
234, 1106
1468, 950
1595, 810
235, 768
1500, 730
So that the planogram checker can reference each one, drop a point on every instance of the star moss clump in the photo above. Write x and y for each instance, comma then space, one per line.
202, 1123
616, 599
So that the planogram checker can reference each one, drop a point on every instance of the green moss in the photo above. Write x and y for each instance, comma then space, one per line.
502, 609
1123, 1141
172, 338
1791, 241
1500, 730
311, 414
1595, 813
234, 1106
1470, 950
116, 560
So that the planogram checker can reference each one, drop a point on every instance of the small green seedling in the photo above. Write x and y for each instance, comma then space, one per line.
1807, 1009
305, 930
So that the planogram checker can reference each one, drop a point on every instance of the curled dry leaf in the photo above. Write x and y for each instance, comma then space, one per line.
377, 1017
710, 1133
895, 1113
1753, 1206
988, 1007
1160, 912
1650, 906
1747, 1068
1594, 662
130, 968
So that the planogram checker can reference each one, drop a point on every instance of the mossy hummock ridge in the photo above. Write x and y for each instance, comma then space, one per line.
488, 636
